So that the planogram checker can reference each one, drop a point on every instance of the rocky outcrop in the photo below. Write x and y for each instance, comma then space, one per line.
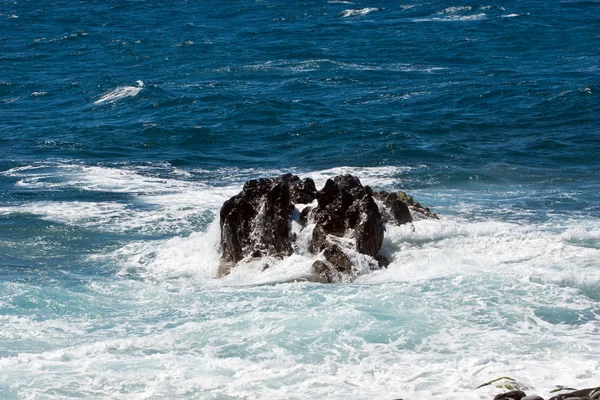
395, 211
255, 222
345, 209
348, 219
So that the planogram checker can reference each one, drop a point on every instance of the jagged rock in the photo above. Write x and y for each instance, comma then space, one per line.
337, 258
417, 211
255, 221
513, 394
302, 191
532, 397
337, 263
345, 205
345, 208
395, 210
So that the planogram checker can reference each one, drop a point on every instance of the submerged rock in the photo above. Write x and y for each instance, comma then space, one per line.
346, 220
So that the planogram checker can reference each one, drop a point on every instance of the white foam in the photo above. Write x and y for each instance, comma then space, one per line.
120, 93
448, 248
587, 236
464, 300
165, 205
373, 176
450, 18
454, 10
510, 16
194, 256
358, 12
305, 66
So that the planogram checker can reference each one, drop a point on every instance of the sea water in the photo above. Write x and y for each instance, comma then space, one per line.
124, 125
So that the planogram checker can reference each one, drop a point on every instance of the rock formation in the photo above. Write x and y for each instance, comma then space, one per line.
347, 220
255, 221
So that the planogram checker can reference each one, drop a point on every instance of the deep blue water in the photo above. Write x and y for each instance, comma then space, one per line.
125, 124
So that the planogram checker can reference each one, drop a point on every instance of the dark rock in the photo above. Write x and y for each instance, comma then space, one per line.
532, 397
255, 222
382, 261
345, 208
303, 191
513, 394
395, 211
591, 393
344, 205
368, 225
400, 208
326, 272
337, 258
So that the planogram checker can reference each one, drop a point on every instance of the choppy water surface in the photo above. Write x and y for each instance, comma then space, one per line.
125, 125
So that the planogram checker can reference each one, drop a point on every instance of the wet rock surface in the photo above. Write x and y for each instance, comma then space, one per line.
347, 219
513, 394
566, 393
590, 393
255, 221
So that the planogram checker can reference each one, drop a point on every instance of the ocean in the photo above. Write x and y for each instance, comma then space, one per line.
125, 125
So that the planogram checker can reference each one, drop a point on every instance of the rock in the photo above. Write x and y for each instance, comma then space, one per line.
255, 222
336, 265
324, 271
400, 208
592, 393
365, 219
302, 191
532, 397
337, 258
345, 209
382, 261
513, 394
346, 220
395, 211
345, 205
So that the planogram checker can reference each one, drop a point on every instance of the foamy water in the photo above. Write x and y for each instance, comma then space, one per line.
120, 93
465, 300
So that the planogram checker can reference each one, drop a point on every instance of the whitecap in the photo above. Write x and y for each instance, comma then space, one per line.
474, 17
120, 93
358, 12
453, 10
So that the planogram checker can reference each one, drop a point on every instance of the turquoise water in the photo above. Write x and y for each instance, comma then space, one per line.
125, 125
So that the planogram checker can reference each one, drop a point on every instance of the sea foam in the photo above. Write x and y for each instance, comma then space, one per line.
120, 93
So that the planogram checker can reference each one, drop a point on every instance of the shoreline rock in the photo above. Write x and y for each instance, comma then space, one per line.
349, 218
516, 391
